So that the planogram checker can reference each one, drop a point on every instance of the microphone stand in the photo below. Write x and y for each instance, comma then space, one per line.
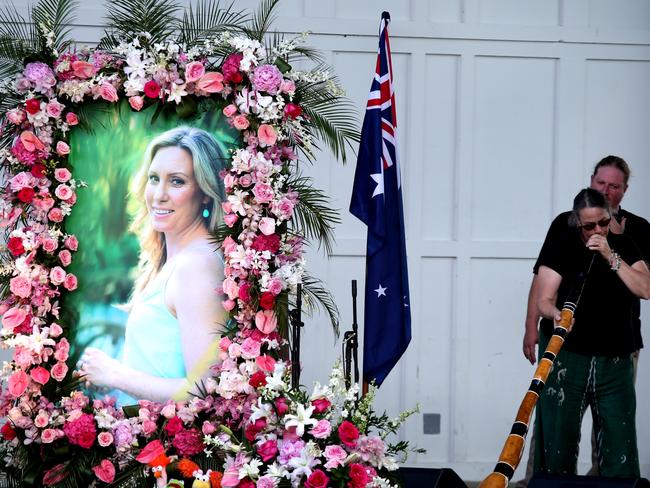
350, 339
295, 317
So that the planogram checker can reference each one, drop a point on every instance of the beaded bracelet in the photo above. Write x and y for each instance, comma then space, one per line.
615, 261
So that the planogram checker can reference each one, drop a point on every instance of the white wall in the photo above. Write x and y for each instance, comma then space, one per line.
503, 106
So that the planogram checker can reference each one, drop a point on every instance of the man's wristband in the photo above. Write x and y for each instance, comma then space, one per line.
615, 261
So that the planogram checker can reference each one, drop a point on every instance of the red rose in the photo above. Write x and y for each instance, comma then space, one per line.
358, 476
257, 379
321, 404
33, 106
26, 195
230, 68
8, 432
348, 433
15, 246
152, 89
255, 428
317, 479
174, 425
291, 110
267, 300
38, 170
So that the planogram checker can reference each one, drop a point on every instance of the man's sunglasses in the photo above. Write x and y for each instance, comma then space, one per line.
603, 224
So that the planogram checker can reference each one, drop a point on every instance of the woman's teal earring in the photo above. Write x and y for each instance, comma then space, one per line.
206, 213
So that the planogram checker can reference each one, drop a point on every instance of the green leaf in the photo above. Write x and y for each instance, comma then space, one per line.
55, 16
128, 18
262, 20
207, 19
18, 37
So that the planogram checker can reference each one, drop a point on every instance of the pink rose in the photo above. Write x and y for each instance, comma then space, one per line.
322, 429
63, 192
228, 305
268, 450
83, 70
108, 92
62, 175
40, 375
250, 348
136, 103
275, 286
148, 427
16, 116
71, 242
240, 122
105, 439
230, 288
287, 86
335, 456
56, 331
194, 71
55, 215
41, 420
49, 245
228, 110
266, 321
263, 192
224, 343
20, 286
267, 225
48, 436
230, 219
71, 118
211, 82
62, 148
234, 350
229, 245
54, 109
18, 383
13, 317
57, 275
65, 257
266, 135
59, 370
281, 405
321, 404
70, 282
245, 180
265, 363
105, 471
207, 428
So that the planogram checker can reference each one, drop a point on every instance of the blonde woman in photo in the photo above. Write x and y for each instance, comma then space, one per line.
175, 312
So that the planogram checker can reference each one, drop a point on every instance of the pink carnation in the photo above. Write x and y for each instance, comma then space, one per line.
81, 431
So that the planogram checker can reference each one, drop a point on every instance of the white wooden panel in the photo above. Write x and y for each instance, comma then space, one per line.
525, 12
500, 375
608, 13
371, 9
445, 11
432, 333
440, 147
617, 121
513, 148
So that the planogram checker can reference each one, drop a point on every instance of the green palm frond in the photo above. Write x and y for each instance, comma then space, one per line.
209, 18
262, 20
128, 18
18, 37
314, 293
55, 16
298, 53
313, 216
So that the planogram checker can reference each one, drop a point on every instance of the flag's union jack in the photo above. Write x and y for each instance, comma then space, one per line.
377, 201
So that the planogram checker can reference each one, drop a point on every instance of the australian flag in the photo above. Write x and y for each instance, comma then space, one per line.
377, 201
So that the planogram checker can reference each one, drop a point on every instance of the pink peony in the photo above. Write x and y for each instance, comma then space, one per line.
17, 383
266, 135
194, 71
136, 103
62, 175
105, 471
108, 92
59, 370
266, 321
40, 375
20, 286
188, 442
81, 431
267, 77
211, 82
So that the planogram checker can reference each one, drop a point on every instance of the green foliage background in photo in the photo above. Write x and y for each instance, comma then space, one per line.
106, 159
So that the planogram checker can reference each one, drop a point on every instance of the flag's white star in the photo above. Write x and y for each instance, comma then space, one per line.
381, 291
379, 179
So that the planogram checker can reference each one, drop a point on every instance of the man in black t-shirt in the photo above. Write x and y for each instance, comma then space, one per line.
594, 367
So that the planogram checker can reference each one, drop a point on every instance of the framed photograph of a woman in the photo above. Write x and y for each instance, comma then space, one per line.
149, 314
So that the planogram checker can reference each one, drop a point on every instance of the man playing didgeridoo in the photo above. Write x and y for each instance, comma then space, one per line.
594, 367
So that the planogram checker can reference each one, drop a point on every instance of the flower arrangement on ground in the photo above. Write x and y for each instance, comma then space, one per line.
248, 427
